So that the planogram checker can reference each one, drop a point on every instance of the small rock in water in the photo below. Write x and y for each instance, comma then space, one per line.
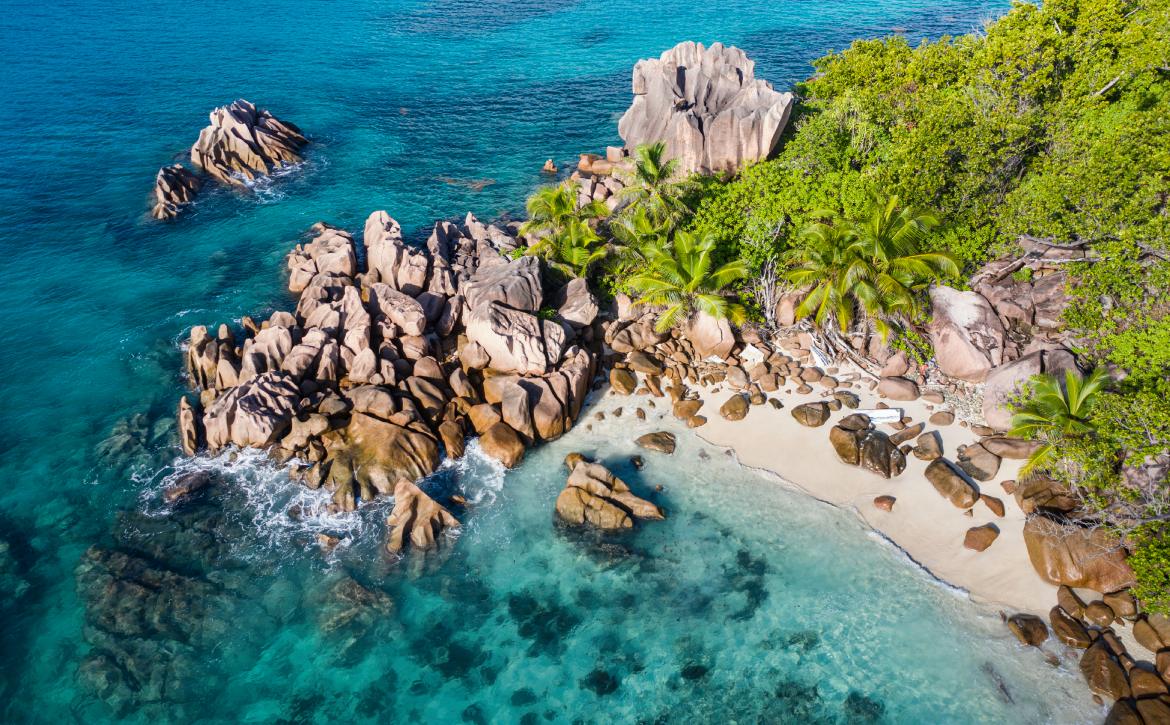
637, 462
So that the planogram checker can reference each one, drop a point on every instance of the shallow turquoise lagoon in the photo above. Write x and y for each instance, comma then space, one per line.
748, 604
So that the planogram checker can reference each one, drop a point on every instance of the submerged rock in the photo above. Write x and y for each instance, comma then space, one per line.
417, 518
707, 106
594, 496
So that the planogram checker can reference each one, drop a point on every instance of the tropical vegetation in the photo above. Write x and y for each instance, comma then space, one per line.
907, 164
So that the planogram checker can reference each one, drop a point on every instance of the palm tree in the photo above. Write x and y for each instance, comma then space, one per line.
874, 267
679, 276
1056, 409
636, 236
654, 188
575, 248
552, 207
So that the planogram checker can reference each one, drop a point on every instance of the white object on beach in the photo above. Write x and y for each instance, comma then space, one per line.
882, 415
819, 357
751, 354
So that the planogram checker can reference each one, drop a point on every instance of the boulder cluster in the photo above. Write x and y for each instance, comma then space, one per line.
242, 143
596, 497
378, 370
708, 107
1007, 327
1140, 690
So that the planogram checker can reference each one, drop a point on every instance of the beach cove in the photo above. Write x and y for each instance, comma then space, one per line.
416, 472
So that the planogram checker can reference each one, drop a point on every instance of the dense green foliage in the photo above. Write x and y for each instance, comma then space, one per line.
683, 278
1057, 410
1050, 125
873, 265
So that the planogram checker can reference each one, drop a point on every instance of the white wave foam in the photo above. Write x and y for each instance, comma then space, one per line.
278, 510
481, 477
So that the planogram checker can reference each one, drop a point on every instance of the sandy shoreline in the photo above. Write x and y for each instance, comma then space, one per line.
925, 525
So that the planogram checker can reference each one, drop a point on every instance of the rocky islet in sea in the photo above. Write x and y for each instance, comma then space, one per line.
241, 144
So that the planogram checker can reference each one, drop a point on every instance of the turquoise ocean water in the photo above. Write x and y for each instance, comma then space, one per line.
748, 604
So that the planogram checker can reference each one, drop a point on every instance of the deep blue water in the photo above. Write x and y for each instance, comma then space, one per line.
406, 103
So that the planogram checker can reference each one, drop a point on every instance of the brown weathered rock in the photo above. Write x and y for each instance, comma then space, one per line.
736, 408
950, 484
515, 340
593, 495
885, 503
1146, 683
928, 447
1011, 448
1070, 601
255, 413
643, 363
174, 188
190, 428
1076, 557
416, 518
383, 452
483, 417
898, 389
185, 485
993, 503
942, 417
503, 444
1123, 712
1122, 603
623, 381
1066, 629
966, 334
812, 415
1028, 628
1103, 673
978, 462
845, 444
1154, 711
684, 409
696, 421
451, 433
978, 538
1099, 613
661, 441
710, 337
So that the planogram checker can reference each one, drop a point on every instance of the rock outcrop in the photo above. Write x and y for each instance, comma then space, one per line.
174, 188
857, 443
1008, 380
241, 144
1074, 556
966, 334
378, 371
707, 106
244, 142
594, 496
416, 518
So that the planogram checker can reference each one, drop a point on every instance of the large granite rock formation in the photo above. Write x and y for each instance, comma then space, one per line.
241, 144
377, 371
244, 142
1084, 558
707, 106
416, 518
